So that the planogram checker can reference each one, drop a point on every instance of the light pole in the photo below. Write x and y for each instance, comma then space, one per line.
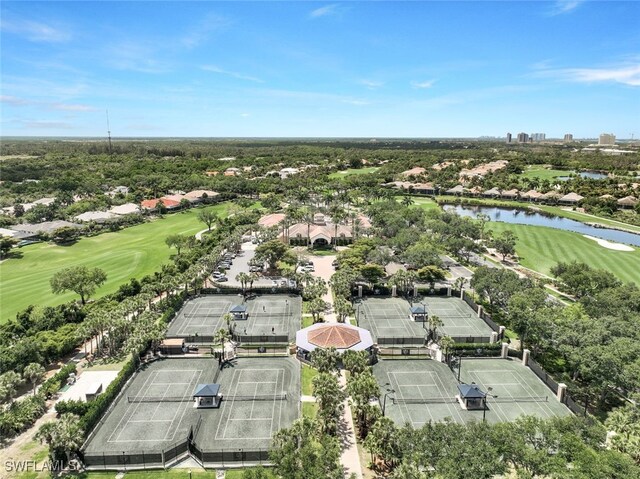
384, 400
358, 315
484, 409
459, 364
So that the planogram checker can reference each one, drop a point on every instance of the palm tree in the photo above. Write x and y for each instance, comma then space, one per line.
338, 215
64, 435
9, 383
228, 319
308, 218
445, 343
242, 278
434, 323
33, 373
221, 337
407, 201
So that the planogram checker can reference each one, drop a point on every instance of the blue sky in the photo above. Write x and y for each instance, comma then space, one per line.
355, 69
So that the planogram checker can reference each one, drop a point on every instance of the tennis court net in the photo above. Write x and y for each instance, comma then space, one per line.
432, 400
445, 400
214, 314
259, 397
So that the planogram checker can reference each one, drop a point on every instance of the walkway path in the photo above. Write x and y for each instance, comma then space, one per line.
349, 457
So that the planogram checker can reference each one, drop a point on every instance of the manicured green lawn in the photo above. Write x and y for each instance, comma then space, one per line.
538, 171
422, 202
540, 248
131, 253
309, 409
307, 320
308, 373
353, 171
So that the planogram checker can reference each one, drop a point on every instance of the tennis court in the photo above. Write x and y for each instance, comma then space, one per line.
425, 391
260, 396
390, 317
272, 314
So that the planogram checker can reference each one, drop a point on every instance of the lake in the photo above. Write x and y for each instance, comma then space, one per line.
586, 174
522, 216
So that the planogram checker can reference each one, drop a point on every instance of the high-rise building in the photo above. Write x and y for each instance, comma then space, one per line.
538, 136
568, 137
523, 138
508, 137
607, 139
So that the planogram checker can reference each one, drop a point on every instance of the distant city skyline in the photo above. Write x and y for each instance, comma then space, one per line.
320, 69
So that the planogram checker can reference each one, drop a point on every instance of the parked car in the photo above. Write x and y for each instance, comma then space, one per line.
221, 279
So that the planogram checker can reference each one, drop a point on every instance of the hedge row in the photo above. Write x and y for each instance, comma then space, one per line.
97, 408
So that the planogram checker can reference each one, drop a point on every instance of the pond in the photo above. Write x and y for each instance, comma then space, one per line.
586, 174
523, 216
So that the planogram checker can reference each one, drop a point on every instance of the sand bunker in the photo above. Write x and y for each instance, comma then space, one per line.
610, 244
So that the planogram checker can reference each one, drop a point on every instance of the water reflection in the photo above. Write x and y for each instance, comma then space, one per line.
523, 216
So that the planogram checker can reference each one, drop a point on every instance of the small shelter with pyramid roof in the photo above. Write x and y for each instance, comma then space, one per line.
340, 336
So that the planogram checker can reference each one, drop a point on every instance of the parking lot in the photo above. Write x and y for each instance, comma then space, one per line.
240, 264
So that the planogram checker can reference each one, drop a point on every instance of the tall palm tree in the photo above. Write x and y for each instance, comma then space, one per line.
221, 337
63, 435
308, 218
338, 215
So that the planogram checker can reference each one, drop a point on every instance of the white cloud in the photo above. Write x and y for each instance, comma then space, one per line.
331, 9
35, 31
561, 7
423, 84
12, 100
628, 74
371, 84
15, 101
201, 32
245, 115
136, 55
239, 76
71, 107
46, 124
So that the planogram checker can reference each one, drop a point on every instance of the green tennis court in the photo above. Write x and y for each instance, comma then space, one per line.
156, 410
391, 317
422, 391
272, 314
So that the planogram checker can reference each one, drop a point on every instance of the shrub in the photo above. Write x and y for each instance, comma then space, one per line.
20, 415
59, 379
77, 407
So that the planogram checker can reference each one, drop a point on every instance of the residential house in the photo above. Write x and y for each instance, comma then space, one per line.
570, 199
628, 202
416, 171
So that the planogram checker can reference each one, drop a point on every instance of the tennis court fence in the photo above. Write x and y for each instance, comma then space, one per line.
261, 338
165, 458
486, 317
240, 338
413, 352
223, 289
397, 340
471, 339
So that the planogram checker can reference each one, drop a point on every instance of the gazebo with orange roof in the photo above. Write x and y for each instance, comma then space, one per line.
340, 336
